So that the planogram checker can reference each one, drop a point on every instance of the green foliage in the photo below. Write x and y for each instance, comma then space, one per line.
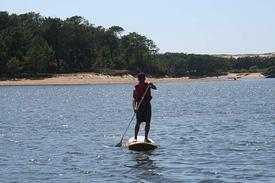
32, 44
13, 67
38, 57
3, 54
53, 34
270, 72
103, 60
180, 64
138, 52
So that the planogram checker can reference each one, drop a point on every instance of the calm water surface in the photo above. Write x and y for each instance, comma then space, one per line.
207, 132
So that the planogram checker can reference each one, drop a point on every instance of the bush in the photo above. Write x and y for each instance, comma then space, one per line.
270, 72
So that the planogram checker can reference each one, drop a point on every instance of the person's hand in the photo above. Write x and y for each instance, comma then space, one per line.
152, 86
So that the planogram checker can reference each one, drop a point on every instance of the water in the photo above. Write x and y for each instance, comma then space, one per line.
207, 132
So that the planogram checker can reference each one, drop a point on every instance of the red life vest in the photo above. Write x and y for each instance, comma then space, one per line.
140, 89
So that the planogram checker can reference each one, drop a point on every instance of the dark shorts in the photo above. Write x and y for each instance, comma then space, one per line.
144, 113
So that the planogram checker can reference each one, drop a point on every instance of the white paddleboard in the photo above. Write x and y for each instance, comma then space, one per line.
140, 145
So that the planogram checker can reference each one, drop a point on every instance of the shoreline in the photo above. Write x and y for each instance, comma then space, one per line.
93, 78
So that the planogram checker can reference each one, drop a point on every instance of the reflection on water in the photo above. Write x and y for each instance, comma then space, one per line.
144, 168
143, 162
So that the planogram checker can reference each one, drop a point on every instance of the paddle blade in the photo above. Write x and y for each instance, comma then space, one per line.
119, 144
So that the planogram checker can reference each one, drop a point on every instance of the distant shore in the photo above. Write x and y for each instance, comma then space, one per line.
93, 78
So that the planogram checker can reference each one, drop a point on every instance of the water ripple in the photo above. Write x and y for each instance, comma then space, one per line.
207, 132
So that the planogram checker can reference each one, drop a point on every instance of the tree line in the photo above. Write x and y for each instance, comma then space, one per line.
180, 64
31, 45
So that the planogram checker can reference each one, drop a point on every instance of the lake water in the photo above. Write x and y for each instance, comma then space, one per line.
207, 132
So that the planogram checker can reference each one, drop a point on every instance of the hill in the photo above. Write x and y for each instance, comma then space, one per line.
262, 55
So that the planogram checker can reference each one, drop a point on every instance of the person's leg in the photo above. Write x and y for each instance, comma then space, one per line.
139, 118
147, 129
138, 121
137, 129
148, 121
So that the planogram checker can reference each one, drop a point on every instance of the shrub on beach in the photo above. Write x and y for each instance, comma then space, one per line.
270, 72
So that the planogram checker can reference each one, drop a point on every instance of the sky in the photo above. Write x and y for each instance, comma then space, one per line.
187, 26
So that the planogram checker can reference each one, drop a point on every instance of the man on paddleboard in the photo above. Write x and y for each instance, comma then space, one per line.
141, 104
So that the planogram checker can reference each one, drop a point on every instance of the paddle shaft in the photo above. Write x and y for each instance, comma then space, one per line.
142, 98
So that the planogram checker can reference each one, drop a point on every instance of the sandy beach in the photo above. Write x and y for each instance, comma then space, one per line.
93, 78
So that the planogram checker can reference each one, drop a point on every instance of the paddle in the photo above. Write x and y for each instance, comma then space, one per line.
120, 143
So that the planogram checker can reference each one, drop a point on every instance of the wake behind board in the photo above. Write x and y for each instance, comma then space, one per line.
140, 145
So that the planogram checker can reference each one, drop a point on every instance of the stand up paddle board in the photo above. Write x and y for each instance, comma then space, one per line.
140, 145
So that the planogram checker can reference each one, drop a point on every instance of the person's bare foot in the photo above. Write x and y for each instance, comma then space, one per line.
147, 141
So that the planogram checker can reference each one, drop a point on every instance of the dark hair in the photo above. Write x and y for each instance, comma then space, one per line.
141, 76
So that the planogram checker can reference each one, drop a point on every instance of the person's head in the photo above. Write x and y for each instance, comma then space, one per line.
141, 77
